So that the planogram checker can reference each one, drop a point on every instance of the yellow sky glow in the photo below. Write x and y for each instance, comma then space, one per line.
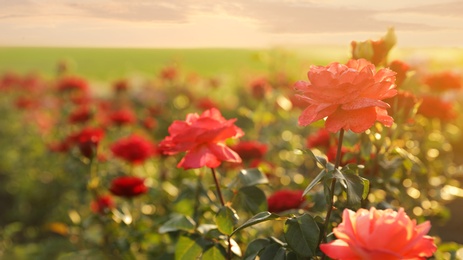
251, 23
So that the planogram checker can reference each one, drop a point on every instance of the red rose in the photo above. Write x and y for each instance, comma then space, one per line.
443, 81
134, 149
169, 73
401, 69
434, 107
87, 140
102, 204
128, 186
122, 117
260, 87
349, 96
285, 200
120, 86
202, 137
149, 123
81, 114
206, 103
73, 84
249, 150
402, 105
320, 139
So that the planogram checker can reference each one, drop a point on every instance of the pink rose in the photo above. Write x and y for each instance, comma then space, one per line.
380, 234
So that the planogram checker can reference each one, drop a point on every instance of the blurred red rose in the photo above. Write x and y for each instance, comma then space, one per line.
9, 81
443, 81
260, 87
285, 200
202, 137
401, 69
249, 150
206, 103
332, 151
76, 88
321, 139
349, 96
102, 204
87, 140
169, 73
120, 86
434, 107
60, 147
23, 102
134, 149
149, 123
402, 105
81, 114
128, 186
122, 117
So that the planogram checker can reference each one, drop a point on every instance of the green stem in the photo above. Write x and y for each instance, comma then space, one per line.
333, 185
219, 194
197, 195
217, 186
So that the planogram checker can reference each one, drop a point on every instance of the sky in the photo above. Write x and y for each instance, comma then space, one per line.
225, 23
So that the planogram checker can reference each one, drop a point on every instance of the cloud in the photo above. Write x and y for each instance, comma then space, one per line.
134, 11
219, 22
335, 17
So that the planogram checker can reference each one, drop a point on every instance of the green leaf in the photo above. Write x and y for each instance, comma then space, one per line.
214, 253
314, 182
273, 251
253, 199
258, 218
254, 248
178, 222
188, 248
357, 189
302, 234
319, 159
249, 177
226, 219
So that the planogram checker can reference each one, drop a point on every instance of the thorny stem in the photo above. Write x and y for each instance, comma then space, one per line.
219, 193
333, 184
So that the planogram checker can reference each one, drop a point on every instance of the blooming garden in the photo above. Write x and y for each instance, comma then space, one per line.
357, 161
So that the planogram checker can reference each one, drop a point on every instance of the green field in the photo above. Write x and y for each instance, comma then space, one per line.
105, 64
111, 63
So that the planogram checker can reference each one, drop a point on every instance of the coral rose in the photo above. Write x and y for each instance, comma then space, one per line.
380, 234
134, 149
349, 96
128, 186
202, 137
285, 200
